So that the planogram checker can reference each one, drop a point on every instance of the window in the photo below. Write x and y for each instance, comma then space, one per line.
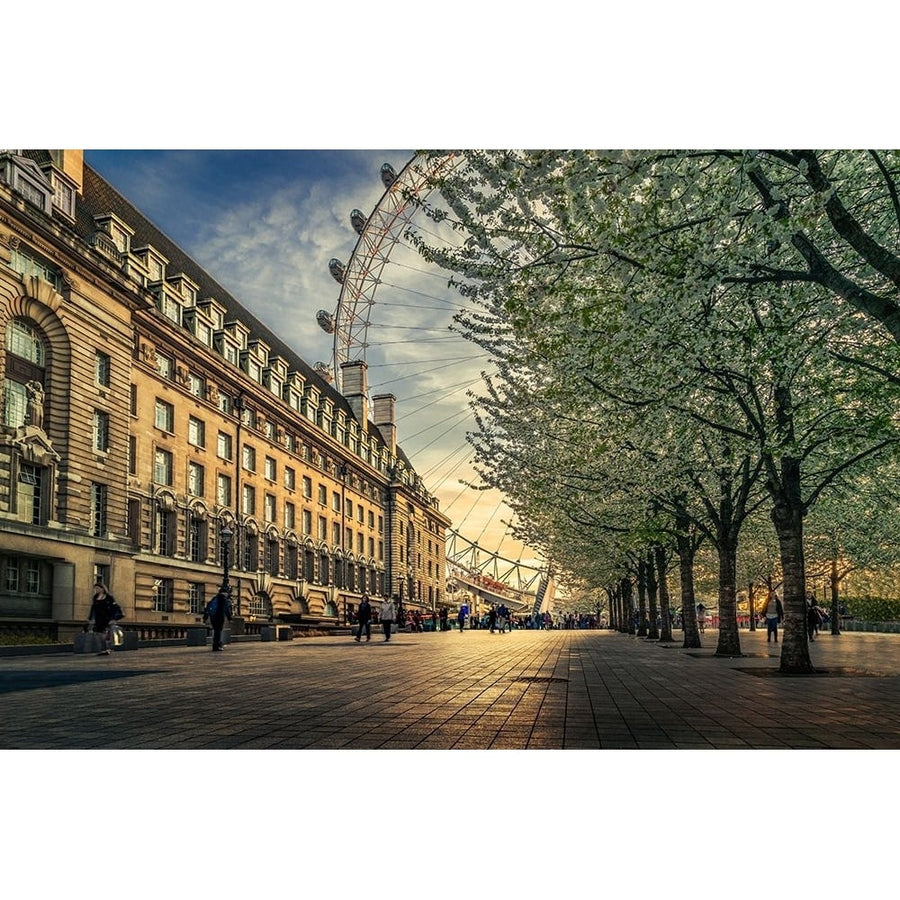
23, 391
323, 528
196, 539
336, 534
163, 594
271, 468
323, 494
359, 542
196, 432
248, 458
132, 454
248, 500
197, 386
164, 416
162, 467
371, 546
291, 569
102, 369
101, 431
272, 556
196, 597
165, 532
271, 431
336, 501
348, 508
371, 519
269, 508
98, 509
63, 195
223, 446
290, 478
307, 487
195, 479
290, 516
226, 404
251, 552
164, 366
223, 490
260, 606
306, 519
29, 494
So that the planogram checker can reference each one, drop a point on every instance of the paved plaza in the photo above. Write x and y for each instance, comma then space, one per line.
548, 690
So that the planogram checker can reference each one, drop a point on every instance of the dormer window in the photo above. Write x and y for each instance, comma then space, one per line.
63, 194
25, 178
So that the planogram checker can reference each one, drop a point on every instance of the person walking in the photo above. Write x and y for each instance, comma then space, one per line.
104, 611
364, 618
813, 618
774, 614
502, 614
492, 618
388, 612
461, 618
217, 611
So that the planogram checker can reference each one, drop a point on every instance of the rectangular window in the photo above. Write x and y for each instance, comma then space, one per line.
132, 454
307, 487
165, 532
196, 432
336, 501
248, 500
348, 508
371, 519
195, 479
371, 546
102, 368
196, 539
290, 520
133, 406
271, 469
98, 510
336, 534
226, 404
197, 386
163, 594
269, 508
162, 467
165, 366
223, 490
323, 528
101, 431
307, 521
248, 458
29, 497
290, 478
223, 446
323, 494
196, 597
291, 569
164, 416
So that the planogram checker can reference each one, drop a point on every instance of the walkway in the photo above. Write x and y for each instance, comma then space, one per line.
522, 690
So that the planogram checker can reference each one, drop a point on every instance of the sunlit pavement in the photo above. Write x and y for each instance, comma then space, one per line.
476, 690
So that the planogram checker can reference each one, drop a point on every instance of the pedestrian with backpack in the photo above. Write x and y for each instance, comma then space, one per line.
217, 611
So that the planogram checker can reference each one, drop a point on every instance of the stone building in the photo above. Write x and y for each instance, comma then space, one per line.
144, 409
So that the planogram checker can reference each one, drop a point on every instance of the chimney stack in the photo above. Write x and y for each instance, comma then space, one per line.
384, 417
355, 388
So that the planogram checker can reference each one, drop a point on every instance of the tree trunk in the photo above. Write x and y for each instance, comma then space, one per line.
642, 598
787, 516
835, 598
629, 603
665, 633
650, 570
688, 598
729, 636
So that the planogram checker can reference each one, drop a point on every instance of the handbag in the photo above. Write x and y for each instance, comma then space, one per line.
116, 636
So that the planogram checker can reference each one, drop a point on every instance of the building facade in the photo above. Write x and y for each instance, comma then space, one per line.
144, 410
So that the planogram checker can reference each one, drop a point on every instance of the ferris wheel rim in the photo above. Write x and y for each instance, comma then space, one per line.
378, 234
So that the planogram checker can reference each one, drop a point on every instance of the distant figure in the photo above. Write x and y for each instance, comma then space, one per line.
701, 617
774, 614
492, 618
217, 611
388, 612
364, 618
502, 617
104, 611
813, 618
461, 618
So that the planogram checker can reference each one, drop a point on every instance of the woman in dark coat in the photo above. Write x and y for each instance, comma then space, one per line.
104, 611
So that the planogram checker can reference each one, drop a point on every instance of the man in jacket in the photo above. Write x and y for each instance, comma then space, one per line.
387, 617
217, 611
364, 618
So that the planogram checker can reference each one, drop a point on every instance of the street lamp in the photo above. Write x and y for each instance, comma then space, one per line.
226, 534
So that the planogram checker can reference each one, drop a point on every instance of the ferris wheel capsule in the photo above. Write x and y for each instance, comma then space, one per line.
336, 267
388, 175
325, 320
323, 370
358, 221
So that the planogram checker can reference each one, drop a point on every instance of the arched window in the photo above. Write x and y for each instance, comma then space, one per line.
261, 605
25, 364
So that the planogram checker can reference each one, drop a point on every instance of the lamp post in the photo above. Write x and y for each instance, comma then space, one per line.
226, 534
